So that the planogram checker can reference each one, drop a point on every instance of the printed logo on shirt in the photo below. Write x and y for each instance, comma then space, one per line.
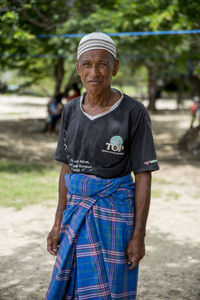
115, 145
150, 162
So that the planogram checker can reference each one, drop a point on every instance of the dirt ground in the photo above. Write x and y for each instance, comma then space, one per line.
171, 267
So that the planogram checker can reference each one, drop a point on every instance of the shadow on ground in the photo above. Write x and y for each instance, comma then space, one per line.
26, 273
24, 141
169, 270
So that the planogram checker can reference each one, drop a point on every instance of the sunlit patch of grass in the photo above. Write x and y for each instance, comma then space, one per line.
13, 114
156, 193
129, 89
186, 211
171, 195
160, 180
23, 184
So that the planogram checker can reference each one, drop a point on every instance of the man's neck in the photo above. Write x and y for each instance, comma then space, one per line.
95, 105
107, 98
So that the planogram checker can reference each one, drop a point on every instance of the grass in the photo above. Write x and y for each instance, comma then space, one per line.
13, 114
160, 180
23, 184
172, 196
130, 90
156, 193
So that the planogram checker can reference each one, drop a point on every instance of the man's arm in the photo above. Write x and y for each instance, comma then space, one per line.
53, 237
136, 246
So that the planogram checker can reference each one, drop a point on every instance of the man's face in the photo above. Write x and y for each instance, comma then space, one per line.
96, 68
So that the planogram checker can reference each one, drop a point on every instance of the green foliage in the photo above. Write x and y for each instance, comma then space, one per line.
22, 21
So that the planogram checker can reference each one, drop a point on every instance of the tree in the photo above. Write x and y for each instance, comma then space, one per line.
23, 21
155, 52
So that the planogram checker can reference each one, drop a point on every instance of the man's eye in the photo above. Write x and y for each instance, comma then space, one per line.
86, 64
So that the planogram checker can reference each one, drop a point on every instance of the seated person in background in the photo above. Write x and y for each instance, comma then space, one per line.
74, 92
54, 108
195, 111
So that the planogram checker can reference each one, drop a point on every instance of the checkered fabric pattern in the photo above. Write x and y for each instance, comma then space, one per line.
96, 227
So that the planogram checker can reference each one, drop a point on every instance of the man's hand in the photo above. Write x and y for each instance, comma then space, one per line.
136, 247
53, 240
135, 252
53, 237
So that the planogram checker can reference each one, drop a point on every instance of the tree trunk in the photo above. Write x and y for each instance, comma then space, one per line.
59, 75
195, 81
151, 86
180, 90
74, 78
190, 142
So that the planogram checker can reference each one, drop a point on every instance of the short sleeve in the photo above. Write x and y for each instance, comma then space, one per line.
60, 154
143, 154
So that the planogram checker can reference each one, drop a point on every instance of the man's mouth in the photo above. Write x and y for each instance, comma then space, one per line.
94, 82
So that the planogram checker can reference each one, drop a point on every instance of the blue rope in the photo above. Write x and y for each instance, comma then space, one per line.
142, 33
34, 55
139, 33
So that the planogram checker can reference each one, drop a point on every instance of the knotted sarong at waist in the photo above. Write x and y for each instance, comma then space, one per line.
96, 228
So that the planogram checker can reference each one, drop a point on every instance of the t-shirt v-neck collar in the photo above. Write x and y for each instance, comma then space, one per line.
94, 117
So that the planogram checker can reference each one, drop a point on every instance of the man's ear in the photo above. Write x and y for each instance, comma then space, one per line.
77, 67
115, 67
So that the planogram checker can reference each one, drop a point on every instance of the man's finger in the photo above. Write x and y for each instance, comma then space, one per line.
129, 255
55, 247
49, 242
129, 258
50, 246
134, 263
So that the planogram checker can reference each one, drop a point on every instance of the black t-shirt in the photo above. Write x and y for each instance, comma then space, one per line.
111, 144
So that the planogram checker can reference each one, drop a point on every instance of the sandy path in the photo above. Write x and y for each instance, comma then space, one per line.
170, 269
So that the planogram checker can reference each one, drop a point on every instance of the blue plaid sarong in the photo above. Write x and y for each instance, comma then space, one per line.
96, 228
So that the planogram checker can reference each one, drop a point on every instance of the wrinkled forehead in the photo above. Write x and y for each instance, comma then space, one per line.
96, 55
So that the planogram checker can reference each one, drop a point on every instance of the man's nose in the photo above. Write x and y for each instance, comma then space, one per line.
94, 71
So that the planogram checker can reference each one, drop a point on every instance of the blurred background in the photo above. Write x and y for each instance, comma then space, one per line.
158, 46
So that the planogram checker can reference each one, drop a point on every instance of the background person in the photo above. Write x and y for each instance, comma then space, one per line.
195, 111
74, 92
54, 108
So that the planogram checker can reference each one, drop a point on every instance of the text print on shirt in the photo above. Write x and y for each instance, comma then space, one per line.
65, 139
115, 146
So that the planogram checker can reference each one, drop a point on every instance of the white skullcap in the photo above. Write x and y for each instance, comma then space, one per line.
96, 40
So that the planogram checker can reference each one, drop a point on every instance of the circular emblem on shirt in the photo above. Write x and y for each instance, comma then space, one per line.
116, 142
115, 145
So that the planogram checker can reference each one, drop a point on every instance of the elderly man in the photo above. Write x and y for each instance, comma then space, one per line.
99, 230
